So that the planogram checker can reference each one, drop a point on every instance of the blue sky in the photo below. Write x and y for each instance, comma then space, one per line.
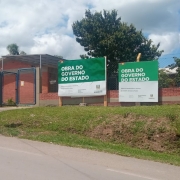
167, 59
45, 26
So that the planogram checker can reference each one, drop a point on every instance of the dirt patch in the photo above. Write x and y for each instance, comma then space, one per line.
138, 131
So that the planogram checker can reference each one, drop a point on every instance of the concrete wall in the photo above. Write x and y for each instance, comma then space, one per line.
48, 99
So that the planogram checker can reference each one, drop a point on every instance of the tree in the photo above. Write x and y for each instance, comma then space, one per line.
13, 49
103, 34
59, 56
165, 80
22, 53
177, 77
173, 80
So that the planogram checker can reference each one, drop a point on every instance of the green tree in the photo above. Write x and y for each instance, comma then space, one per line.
103, 34
59, 56
22, 53
165, 80
13, 49
177, 77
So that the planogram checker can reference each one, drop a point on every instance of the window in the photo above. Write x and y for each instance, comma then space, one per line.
53, 80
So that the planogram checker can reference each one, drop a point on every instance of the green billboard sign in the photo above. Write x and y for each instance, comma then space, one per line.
138, 81
84, 77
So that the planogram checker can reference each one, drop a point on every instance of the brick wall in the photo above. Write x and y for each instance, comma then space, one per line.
48, 96
14, 64
169, 92
113, 94
45, 80
166, 96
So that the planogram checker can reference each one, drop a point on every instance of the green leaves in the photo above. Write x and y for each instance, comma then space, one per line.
177, 77
13, 49
164, 80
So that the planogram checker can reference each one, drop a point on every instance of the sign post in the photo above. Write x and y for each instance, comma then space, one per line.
105, 96
138, 57
137, 60
60, 101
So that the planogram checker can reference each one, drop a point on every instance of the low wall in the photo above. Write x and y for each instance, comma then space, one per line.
53, 99
166, 96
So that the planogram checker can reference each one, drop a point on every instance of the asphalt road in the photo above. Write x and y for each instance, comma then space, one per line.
28, 160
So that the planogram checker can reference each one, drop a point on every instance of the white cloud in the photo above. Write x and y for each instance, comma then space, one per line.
45, 26
54, 44
168, 41
25, 22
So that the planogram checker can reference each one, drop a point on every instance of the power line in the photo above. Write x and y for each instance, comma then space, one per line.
163, 55
160, 57
171, 54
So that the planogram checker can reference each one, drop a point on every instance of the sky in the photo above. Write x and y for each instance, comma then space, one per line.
45, 26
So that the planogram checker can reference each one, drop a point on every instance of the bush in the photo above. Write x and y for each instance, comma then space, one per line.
10, 102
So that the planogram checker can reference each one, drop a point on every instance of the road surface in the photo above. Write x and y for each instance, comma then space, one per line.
29, 160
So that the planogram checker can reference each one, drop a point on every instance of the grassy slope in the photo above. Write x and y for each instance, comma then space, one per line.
75, 126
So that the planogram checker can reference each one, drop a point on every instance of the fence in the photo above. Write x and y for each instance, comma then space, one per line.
18, 87
9, 87
112, 76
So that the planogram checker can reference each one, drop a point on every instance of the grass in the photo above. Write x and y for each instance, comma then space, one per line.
84, 127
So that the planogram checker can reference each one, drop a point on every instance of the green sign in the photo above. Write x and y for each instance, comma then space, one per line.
138, 71
83, 77
88, 70
138, 82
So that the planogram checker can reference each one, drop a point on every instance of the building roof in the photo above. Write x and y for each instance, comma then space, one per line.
35, 59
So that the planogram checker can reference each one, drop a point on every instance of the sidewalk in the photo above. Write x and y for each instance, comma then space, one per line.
12, 108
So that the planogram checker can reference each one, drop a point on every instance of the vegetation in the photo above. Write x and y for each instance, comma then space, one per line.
13, 49
59, 56
10, 102
103, 34
22, 53
166, 80
177, 78
148, 132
